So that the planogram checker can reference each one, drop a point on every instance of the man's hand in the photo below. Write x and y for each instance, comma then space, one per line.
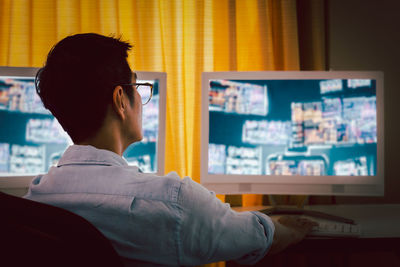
289, 230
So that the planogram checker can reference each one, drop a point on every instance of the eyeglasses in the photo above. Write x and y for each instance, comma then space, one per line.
145, 91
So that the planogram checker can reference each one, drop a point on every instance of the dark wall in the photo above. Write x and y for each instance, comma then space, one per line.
365, 35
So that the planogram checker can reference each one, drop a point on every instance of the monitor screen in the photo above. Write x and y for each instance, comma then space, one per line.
32, 140
293, 132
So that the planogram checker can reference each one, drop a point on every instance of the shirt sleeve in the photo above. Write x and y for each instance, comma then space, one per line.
211, 231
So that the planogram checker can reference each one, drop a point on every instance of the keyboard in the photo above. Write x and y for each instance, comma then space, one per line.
329, 225
334, 229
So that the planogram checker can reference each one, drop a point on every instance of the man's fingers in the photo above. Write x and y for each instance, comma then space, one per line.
297, 221
307, 222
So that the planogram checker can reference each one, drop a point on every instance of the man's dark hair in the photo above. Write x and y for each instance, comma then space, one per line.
78, 79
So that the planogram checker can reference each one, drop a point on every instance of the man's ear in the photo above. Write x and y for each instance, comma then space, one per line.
119, 102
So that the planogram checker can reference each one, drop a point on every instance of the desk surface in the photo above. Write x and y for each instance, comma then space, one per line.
376, 221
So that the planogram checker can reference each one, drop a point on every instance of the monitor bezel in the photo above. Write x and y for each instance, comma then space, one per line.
13, 181
273, 184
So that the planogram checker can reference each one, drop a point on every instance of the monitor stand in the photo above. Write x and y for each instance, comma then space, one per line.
275, 200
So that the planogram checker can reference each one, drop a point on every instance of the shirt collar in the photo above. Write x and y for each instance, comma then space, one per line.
78, 154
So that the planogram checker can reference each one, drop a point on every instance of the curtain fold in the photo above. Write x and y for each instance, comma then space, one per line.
20, 34
180, 37
44, 30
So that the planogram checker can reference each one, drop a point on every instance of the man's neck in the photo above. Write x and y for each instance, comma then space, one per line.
109, 138
102, 145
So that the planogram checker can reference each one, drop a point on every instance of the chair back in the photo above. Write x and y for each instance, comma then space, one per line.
38, 234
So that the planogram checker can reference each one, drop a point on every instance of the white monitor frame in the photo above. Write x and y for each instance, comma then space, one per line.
14, 181
309, 185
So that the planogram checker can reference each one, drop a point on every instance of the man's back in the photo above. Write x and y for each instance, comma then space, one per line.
164, 220
88, 85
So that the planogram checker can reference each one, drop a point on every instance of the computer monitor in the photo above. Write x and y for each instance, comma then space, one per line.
293, 132
32, 140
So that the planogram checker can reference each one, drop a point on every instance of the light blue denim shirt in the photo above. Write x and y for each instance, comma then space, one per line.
160, 219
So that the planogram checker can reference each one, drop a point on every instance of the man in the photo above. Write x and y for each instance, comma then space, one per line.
88, 86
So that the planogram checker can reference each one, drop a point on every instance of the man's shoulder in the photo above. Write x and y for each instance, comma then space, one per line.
155, 187
106, 181
151, 186
169, 187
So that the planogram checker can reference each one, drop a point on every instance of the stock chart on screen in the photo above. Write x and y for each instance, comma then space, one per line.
31, 139
311, 127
